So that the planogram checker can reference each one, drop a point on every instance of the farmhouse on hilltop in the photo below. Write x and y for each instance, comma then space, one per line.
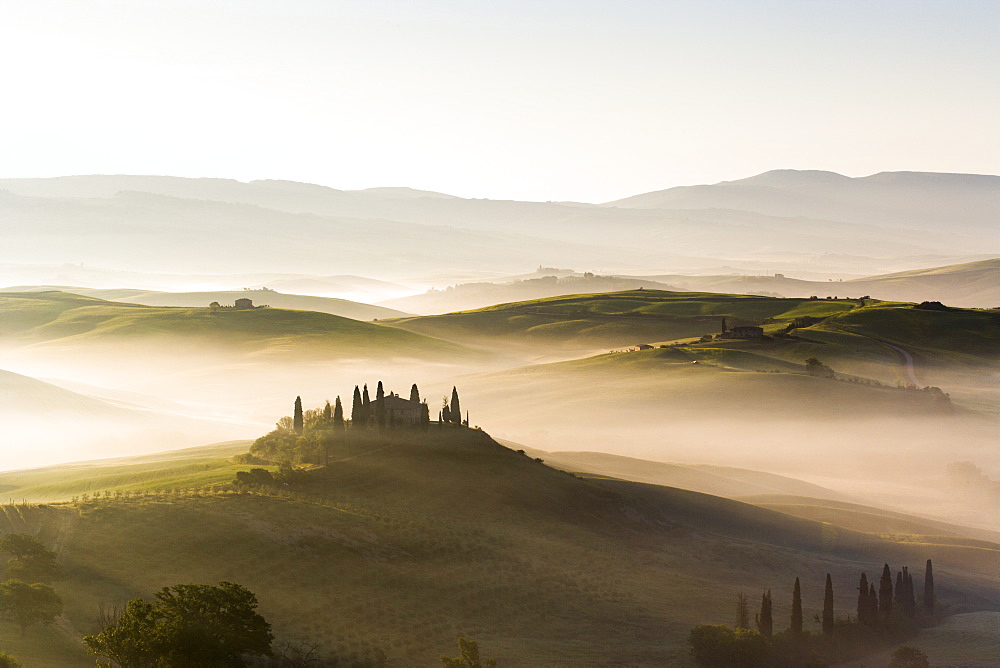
398, 412
243, 303
744, 332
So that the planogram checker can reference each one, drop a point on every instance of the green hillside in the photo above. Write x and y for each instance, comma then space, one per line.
615, 319
71, 320
400, 545
272, 298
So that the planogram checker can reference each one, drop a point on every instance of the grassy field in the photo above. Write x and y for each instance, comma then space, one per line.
69, 320
615, 319
400, 545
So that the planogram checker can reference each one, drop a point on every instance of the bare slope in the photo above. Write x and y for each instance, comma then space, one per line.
396, 548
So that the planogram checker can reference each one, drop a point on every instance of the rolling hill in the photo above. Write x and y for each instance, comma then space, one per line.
262, 297
607, 320
64, 319
397, 547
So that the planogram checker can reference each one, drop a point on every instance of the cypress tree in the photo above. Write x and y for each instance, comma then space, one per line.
872, 604
909, 600
929, 588
367, 403
797, 608
380, 405
338, 415
898, 594
724, 325
863, 601
425, 416
357, 409
445, 413
327, 412
765, 622
415, 394
742, 611
828, 607
297, 423
456, 409
885, 592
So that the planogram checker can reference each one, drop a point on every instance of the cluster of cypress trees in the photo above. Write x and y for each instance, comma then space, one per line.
366, 413
452, 413
874, 608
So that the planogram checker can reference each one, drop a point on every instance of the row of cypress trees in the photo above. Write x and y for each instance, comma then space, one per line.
874, 608
363, 409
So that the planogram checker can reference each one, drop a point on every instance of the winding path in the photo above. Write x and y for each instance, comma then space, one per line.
907, 360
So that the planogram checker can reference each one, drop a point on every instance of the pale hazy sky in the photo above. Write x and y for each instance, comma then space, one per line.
535, 99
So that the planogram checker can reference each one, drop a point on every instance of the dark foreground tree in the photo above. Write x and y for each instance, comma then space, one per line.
31, 562
469, 658
455, 410
828, 606
716, 646
765, 621
27, 604
742, 611
863, 604
297, 422
187, 625
908, 657
885, 593
338, 415
796, 626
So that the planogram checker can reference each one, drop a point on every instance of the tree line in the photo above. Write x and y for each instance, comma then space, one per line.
311, 436
883, 614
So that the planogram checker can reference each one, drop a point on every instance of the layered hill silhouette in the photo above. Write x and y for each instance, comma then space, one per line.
792, 219
399, 545
972, 284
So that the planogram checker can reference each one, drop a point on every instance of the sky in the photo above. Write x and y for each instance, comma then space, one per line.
531, 100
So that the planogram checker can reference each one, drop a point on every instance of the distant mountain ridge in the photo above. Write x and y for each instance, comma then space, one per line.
785, 217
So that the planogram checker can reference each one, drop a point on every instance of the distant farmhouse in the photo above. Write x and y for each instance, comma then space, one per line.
398, 412
744, 332
243, 302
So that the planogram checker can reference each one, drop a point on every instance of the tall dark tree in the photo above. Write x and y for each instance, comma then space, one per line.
327, 413
765, 622
929, 588
338, 415
863, 601
415, 394
724, 330
885, 592
425, 416
898, 593
367, 403
456, 408
909, 600
828, 606
445, 413
380, 405
357, 409
297, 423
797, 608
742, 611
872, 604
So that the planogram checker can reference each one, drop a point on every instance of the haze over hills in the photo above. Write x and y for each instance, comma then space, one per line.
872, 225
973, 284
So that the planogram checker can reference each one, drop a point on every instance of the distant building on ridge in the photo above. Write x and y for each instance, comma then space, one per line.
243, 303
